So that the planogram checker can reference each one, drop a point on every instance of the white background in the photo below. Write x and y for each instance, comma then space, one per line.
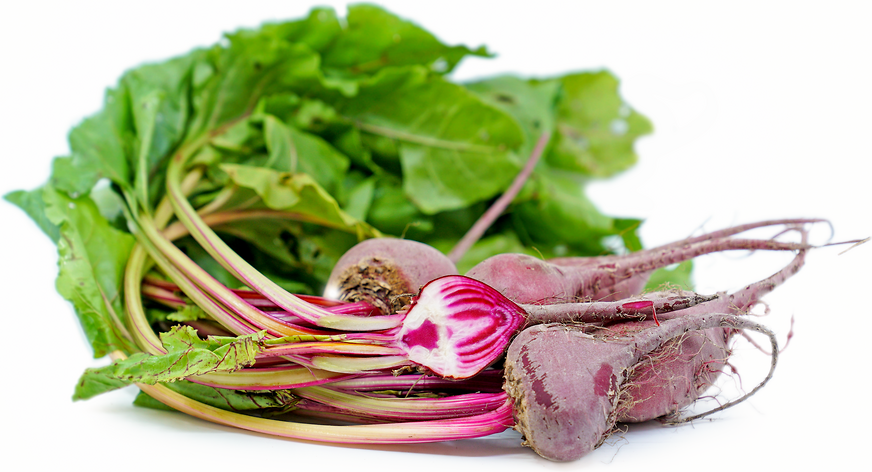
761, 110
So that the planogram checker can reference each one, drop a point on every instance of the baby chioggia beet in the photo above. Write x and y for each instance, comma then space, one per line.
569, 385
458, 326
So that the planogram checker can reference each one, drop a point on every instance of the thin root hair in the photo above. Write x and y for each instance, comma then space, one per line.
740, 324
862, 241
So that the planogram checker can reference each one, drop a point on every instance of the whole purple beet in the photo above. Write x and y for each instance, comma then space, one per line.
570, 386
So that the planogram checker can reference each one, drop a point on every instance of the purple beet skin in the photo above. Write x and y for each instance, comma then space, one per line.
570, 386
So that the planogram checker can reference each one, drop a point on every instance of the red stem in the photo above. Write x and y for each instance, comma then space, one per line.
492, 213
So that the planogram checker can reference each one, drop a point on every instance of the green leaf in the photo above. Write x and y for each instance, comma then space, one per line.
375, 39
279, 401
294, 151
187, 313
111, 206
101, 146
596, 129
455, 149
319, 251
359, 198
33, 204
281, 105
318, 30
242, 140
681, 275
297, 193
531, 103
562, 214
439, 179
314, 116
187, 355
231, 81
92, 258
393, 213
351, 143
184, 338
628, 229
159, 96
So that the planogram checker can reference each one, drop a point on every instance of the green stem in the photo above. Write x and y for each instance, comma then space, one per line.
468, 427
213, 297
148, 341
218, 201
356, 365
405, 408
243, 271
423, 140
216, 299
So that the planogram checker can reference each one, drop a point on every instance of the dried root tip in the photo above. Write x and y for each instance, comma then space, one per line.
382, 270
376, 281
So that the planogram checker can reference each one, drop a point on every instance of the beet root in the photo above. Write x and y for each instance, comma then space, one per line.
570, 387
564, 398
674, 375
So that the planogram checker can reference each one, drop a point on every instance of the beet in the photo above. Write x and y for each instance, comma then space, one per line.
571, 384
674, 375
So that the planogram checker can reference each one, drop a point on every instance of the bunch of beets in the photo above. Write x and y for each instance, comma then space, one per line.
403, 349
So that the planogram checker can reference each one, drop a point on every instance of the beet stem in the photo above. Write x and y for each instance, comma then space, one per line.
629, 308
492, 213
731, 231
742, 301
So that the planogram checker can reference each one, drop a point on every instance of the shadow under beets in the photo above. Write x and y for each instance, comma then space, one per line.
507, 443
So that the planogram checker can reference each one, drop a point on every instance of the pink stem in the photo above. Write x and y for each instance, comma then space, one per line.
652, 304
492, 213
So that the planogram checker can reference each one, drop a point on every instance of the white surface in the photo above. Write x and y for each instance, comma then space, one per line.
761, 110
